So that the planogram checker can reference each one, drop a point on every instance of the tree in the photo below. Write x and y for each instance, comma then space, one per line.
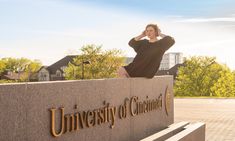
102, 64
23, 66
15, 64
11, 64
30, 68
2, 66
225, 86
199, 77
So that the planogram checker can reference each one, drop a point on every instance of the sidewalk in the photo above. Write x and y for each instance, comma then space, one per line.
218, 114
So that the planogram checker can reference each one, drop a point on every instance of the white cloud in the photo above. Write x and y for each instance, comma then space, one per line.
200, 20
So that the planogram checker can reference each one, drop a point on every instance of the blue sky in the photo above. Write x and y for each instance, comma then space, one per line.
50, 29
167, 7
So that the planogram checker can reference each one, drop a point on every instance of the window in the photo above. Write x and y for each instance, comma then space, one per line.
58, 73
63, 68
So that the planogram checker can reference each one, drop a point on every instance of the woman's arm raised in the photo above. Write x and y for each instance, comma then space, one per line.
142, 35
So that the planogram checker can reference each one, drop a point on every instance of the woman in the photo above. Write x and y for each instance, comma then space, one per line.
149, 53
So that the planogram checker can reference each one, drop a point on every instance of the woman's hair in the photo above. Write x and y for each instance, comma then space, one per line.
155, 27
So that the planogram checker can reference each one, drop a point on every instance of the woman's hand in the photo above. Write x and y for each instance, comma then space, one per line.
160, 33
142, 35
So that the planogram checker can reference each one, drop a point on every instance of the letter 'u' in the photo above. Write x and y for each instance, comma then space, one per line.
53, 132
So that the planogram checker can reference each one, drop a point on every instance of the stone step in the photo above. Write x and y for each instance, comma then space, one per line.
168, 132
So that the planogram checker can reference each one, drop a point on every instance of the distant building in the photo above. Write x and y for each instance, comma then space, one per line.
169, 65
172, 71
171, 59
17, 76
9, 75
56, 70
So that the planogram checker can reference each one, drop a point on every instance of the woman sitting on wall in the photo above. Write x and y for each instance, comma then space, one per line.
149, 53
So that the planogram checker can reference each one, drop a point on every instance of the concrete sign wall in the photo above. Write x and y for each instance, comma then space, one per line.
99, 110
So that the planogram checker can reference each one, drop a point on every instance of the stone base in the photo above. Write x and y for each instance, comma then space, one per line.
182, 131
86, 110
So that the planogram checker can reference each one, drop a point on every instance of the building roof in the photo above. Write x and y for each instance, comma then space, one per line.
57, 65
175, 68
11, 76
42, 68
17, 76
172, 71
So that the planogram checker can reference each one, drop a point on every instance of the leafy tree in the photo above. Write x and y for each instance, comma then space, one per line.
200, 76
2, 66
15, 64
25, 67
11, 64
225, 85
29, 69
95, 63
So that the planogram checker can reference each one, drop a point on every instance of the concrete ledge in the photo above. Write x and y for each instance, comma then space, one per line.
86, 110
167, 133
192, 132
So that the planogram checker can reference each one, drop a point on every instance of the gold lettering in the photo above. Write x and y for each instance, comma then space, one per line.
132, 102
100, 116
149, 106
82, 118
125, 104
94, 117
106, 113
53, 132
76, 121
69, 120
88, 122
145, 107
140, 107
160, 101
121, 111
113, 112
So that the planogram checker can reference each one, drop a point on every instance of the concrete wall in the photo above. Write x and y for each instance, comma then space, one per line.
192, 132
172, 130
182, 131
26, 109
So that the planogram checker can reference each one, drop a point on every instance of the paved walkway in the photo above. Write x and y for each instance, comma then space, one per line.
218, 114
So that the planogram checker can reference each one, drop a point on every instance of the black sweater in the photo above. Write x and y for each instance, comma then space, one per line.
148, 57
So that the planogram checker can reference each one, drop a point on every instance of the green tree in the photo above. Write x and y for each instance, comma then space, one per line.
11, 64
103, 64
225, 85
15, 64
199, 77
2, 66
23, 66
30, 68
